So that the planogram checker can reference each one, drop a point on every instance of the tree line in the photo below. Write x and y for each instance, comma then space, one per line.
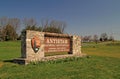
95, 38
10, 27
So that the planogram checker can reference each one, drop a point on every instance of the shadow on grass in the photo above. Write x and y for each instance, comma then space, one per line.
10, 61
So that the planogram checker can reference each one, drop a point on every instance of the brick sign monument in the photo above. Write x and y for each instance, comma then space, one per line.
35, 44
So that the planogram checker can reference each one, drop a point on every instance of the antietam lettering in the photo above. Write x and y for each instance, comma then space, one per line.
56, 41
53, 44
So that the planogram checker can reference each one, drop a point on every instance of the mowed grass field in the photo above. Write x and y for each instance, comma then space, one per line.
105, 49
103, 63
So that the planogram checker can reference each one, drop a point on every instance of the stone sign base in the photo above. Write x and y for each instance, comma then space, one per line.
49, 58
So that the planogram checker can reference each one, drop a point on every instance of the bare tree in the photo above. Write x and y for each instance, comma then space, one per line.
85, 39
53, 26
9, 27
9, 33
15, 23
3, 21
0, 33
95, 38
58, 24
104, 37
111, 38
29, 22
45, 23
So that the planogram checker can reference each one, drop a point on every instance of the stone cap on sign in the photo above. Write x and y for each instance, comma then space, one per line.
53, 34
56, 35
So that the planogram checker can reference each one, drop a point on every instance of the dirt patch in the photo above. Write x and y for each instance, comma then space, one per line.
1, 64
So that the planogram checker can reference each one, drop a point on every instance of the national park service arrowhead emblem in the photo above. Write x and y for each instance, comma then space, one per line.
35, 42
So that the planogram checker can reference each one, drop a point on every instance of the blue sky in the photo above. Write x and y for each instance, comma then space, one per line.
83, 17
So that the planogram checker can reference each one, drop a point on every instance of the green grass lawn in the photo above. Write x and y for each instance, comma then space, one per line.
10, 50
106, 49
103, 63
